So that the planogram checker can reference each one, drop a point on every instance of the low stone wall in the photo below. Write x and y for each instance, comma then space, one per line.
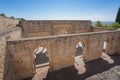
13, 33
61, 50
98, 29
7, 23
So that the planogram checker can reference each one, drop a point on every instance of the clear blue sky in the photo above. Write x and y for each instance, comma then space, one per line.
102, 10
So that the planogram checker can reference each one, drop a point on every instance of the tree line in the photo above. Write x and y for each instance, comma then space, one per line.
114, 25
12, 17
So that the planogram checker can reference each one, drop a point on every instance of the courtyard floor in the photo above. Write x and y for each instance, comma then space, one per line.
80, 70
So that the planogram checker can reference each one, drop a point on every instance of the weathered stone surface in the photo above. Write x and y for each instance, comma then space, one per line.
112, 74
8, 31
5, 35
54, 27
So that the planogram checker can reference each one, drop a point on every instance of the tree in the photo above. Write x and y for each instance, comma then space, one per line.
118, 16
21, 19
115, 25
12, 17
98, 24
2, 14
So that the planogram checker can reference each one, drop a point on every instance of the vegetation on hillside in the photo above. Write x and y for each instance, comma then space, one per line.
98, 24
12, 17
114, 25
21, 19
2, 14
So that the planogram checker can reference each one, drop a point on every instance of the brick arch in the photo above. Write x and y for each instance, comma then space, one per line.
84, 42
48, 46
75, 42
34, 46
79, 48
21, 53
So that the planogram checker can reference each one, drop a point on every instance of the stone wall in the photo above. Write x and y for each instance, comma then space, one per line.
13, 33
17, 57
61, 50
8, 31
54, 27
7, 23
97, 29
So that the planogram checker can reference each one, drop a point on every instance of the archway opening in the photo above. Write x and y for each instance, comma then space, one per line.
79, 49
104, 46
79, 62
105, 56
41, 58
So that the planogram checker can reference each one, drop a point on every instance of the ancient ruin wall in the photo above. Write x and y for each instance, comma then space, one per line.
8, 31
7, 23
98, 29
54, 27
5, 35
61, 50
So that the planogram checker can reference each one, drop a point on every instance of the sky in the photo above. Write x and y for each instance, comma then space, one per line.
95, 10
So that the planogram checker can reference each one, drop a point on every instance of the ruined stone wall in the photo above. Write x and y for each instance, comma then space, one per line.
7, 32
61, 50
54, 27
13, 33
7, 23
98, 29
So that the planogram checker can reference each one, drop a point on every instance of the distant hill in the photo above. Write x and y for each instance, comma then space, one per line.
103, 22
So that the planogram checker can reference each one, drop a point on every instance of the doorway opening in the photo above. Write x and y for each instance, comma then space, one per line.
79, 62
104, 46
105, 56
79, 49
41, 58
